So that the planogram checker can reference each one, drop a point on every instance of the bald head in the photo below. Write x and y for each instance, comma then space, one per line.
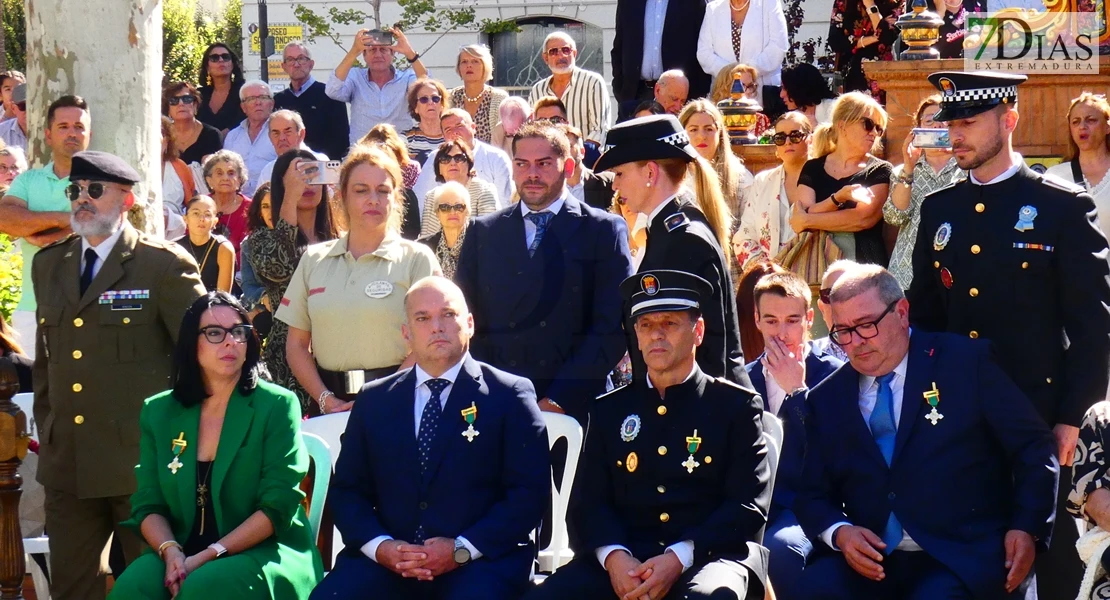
438, 326
434, 285
672, 90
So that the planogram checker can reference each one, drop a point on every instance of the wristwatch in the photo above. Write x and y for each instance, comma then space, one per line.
834, 201
218, 548
462, 554
873, 9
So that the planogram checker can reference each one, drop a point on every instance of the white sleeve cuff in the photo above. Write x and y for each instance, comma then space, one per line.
827, 535
474, 552
684, 550
604, 552
370, 549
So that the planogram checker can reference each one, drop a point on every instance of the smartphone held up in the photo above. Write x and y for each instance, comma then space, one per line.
321, 172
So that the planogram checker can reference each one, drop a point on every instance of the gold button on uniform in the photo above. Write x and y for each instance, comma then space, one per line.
78, 322
126, 320
973, 292
42, 321
980, 207
974, 335
77, 355
936, 264
975, 248
77, 387
619, 463
664, 517
708, 459
661, 490
79, 419
1048, 380
1025, 265
662, 410
662, 450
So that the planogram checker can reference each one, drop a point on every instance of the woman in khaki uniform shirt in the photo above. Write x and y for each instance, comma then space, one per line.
345, 303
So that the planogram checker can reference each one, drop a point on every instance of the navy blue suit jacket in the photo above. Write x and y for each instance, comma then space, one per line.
957, 487
819, 366
554, 317
491, 491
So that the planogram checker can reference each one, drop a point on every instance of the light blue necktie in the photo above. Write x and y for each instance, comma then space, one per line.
882, 427
541, 219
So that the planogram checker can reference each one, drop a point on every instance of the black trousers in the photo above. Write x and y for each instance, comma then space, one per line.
1059, 570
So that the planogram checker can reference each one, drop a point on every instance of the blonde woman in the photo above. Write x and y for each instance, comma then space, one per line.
842, 189
705, 126
475, 66
1087, 160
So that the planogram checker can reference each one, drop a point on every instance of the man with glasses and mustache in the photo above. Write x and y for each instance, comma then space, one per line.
1017, 258
490, 163
325, 119
377, 93
112, 301
35, 208
927, 473
584, 93
13, 132
251, 139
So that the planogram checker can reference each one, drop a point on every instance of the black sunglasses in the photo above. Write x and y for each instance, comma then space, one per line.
865, 331
216, 334
446, 208
175, 100
870, 126
432, 99
794, 136
219, 58
446, 158
94, 191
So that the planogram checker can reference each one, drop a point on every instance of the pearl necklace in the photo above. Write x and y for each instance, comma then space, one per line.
483, 92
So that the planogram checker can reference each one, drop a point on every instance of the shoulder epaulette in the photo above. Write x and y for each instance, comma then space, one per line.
676, 221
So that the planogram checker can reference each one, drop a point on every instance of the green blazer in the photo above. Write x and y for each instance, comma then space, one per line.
259, 464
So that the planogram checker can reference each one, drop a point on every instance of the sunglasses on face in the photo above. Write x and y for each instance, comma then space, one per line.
216, 334
870, 126
215, 58
794, 136
450, 208
432, 99
94, 191
186, 100
455, 158
555, 52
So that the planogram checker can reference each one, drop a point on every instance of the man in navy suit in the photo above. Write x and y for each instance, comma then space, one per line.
790, 365
542, 279
928, 473
443, 472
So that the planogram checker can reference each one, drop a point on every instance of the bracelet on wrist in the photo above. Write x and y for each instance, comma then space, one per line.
835, 202
165, 546
415, 57
322, 400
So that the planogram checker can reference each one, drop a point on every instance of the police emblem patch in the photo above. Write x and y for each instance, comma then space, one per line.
649, 284
675, 221
630, 428
947, 87
944, 233
1026, 214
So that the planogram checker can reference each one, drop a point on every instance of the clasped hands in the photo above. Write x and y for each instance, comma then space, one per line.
178, 567
436, 557
648, 580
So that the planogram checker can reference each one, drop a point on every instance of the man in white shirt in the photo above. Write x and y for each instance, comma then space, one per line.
444, 470
490, 164
287, 132
251, 138
927, 472
13, 132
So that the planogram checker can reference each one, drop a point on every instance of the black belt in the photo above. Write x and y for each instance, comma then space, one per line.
346, 384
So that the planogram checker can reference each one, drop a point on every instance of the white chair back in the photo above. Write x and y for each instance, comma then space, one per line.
558, 552
772, 437
329, 428
26, 403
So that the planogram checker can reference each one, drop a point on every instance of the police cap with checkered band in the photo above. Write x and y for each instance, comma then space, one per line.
966, 94
654, 137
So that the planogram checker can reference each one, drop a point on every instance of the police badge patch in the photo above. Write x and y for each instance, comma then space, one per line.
630, 428
944, 233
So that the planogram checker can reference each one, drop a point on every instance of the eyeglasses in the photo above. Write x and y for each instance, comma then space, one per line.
449, 208
215, 58
175, 100
455, 158
794, 136
296, 60
249, 99
870, 126
380, 49
555, 52
432, 99
95, 190
216, 334
556, 119
11, 169
865, 331
825, 295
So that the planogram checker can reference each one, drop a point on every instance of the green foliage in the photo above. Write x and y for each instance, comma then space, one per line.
15, 34
187, 30
11, 275
231, 25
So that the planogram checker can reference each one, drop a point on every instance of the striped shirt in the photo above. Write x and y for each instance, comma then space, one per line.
587, 102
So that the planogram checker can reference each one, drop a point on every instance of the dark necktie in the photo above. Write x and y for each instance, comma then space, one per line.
429, 421
541, 219
882, 427
87, 274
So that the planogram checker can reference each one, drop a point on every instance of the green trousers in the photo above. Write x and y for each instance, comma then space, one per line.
239, 577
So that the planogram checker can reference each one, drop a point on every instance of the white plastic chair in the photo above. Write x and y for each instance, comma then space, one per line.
772, 437
329, 428
320, 454
26, 403
35, 545
558, 552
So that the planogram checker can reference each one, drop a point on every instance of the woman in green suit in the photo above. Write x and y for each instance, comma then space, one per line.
220, 462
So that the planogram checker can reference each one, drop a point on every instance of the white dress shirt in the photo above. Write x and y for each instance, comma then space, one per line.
256, 153
655, 15
422, 396
684, 550
658, 209
775, 394
530, 227
1008, 173
102, 250
268, 171
304, 87
868, 397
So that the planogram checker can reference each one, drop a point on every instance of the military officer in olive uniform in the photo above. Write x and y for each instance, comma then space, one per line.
1015, 257
672, 485
110, 307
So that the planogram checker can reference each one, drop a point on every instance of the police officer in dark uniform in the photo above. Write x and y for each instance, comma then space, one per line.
1017, 258
673, 480
649, 157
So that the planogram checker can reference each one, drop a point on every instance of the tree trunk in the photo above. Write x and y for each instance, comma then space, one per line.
3, 47
110, 53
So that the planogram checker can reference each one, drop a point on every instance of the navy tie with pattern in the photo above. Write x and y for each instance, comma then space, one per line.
541, 219
882, 427
429, 421
87, 274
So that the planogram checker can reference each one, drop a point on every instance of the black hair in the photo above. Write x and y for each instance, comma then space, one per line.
188, 384
324, 227
236, 68
805, 85
254, 213
68, 101
651, 106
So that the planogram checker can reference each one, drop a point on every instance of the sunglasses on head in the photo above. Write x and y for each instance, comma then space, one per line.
223, 57
175, 100
456, 158
95, 190
448, 208
870, 126
432, 99
794, 136
216, 334
565, 51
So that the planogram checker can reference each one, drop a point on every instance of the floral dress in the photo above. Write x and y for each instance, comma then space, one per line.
1089, 473
849, 23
